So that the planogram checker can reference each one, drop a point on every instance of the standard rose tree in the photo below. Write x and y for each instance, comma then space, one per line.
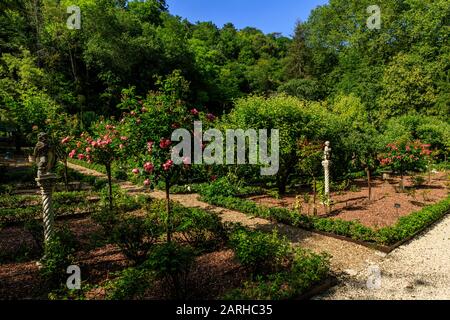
103, 146
402, 157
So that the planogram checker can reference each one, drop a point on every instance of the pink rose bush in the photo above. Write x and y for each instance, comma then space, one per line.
102, 147
410, 156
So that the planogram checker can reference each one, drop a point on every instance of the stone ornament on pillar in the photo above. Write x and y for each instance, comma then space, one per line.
45, 156
326, 166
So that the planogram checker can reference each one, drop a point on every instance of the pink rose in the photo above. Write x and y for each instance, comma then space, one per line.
148, 167
147, 182
88, 150
65, 140
135, 171
194, 112
123, 138
81, 156
72, 153
165, 143
167, 165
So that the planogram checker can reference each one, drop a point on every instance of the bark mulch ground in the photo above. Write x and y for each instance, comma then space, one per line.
377, 213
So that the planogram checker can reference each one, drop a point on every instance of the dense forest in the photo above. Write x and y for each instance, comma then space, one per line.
108, 115
47, 70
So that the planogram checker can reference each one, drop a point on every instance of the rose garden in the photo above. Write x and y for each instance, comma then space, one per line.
107, 205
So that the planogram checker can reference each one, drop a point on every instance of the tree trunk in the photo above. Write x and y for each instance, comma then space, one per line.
282, 182
169, 220
314, 196
402, 187
66, 175
369, 183
108, 172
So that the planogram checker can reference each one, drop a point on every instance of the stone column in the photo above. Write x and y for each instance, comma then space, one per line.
47, 183
326, 167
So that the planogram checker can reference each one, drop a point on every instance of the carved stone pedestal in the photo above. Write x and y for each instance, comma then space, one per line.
47, 183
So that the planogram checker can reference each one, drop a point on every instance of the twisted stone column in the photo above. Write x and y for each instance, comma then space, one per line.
47, 183
326, 166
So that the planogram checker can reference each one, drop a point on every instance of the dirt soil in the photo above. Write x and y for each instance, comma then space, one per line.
213, 274
377, 213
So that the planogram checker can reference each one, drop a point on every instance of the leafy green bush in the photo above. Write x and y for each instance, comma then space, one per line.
36, 229
58, 255
409, 225
306, 270
201, 229
106, 218
172, 263
130, 283
259, 251
220, 187
135, 236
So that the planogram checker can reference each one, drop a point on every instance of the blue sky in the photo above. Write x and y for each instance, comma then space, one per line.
266, 15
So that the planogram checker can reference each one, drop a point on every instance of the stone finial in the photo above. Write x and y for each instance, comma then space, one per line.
44, 154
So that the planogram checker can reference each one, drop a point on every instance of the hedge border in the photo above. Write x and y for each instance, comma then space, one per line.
372, 238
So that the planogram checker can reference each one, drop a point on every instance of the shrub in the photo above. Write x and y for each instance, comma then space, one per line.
220, 187
306, 269
136, 236
130, 283
58, 255
36, 229
410, 225
418, 181
106, 218
295, 119
172, 263
259, 251
202, 229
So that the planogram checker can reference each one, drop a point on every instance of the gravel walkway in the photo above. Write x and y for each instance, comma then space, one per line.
419, 270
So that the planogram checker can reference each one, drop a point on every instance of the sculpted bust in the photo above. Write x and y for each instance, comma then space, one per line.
327, 151
44, 154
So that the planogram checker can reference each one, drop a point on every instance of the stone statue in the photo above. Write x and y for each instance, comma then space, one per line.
327, 151
45, 155
326, 166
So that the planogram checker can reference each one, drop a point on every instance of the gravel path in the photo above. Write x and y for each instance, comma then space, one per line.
418, 270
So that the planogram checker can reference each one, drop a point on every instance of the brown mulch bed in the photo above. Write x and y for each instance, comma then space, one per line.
378, 213
213, 274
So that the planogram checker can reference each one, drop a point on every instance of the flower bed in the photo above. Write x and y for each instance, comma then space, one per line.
405, 228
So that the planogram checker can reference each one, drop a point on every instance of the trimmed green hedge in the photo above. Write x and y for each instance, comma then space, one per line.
406, 226
306, 270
